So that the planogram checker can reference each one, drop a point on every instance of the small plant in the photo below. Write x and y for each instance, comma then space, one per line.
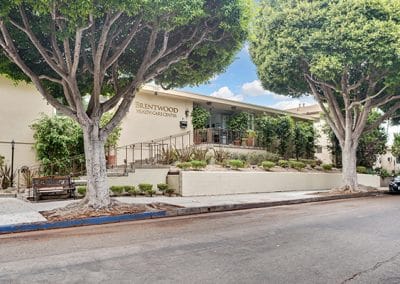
283, 163
81, 190
168, 156
197, 165
184, 165
169, 191
117, 190
184, 155
327, 167
146, 188
268, 165
383, 173
27, 176
130, 189
221, 156
200, 154
162, 187
361, 170
297, 165
236, 164
7, 176
312, 163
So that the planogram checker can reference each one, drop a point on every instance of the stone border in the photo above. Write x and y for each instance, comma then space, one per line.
18, 228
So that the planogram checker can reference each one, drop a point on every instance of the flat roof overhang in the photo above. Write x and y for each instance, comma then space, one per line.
222, 104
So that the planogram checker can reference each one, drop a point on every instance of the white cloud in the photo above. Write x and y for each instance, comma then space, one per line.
293, 103
255, 89
226, 93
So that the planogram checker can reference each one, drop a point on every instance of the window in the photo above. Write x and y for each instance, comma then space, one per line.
319, 149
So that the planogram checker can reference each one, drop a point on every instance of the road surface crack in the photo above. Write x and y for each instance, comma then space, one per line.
376, 266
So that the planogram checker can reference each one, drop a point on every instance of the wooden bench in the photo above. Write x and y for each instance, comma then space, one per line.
53, 186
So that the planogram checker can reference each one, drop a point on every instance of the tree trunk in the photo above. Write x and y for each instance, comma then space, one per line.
349, 167
97, 194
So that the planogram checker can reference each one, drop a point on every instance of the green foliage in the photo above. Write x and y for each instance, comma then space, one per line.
184, 165
327, 167
168, 156
184, 155
304, 140
131, 190
284, 134
221, 155
162, 187
169, 191
297, 165
361, 170
6, 175
197, 165
268, 165
258, 158
396, 145
226, 22
81, 190
147, 189
200, 154
238, 122
112, 139
251, 133
117, 190
371, 144
311, 163
323, 38
236, 164
266, 129
383, 173
200, 117
57, 140
283, 163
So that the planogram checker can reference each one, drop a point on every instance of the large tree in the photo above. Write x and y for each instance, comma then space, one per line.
107, 48
343, 52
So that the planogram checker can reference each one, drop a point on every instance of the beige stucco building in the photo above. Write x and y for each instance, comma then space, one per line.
20, 105
157, 117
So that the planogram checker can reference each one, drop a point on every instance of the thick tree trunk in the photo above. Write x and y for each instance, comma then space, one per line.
349, 167
97, 194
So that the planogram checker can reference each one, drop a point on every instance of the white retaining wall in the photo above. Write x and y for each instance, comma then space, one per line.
152, 176
194, 183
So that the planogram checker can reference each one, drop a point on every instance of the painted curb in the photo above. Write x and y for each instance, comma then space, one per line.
17, 228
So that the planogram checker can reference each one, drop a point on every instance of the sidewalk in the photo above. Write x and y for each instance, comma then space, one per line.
15, 211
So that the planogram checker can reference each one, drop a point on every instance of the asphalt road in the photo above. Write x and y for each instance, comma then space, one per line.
353, 241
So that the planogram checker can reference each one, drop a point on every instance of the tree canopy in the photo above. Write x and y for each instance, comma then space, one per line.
346, 53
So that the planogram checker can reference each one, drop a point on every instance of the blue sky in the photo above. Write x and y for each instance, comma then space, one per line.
240, 83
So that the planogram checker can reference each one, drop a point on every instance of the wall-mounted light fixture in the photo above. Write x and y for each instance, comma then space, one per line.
187, 112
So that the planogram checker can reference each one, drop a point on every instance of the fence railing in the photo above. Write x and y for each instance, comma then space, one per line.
224, 137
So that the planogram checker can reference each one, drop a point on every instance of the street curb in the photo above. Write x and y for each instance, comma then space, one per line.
244, 206
18, 228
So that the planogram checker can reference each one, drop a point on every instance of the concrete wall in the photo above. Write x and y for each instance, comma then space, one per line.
217, 183
152, 176
20, 106
322, 142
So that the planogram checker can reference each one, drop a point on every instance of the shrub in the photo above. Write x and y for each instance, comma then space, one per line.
197, 165
283, 163
184, 165
384, 173
146, 188
199, 154
184, 155
236, 164
258, 158
319, 162
327, 167
162, 187
117, 190
361, 170
297, 165
312, 163
168, 156
268, 165
130, 189
169, 191
200, 117
221, 156
81, 190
